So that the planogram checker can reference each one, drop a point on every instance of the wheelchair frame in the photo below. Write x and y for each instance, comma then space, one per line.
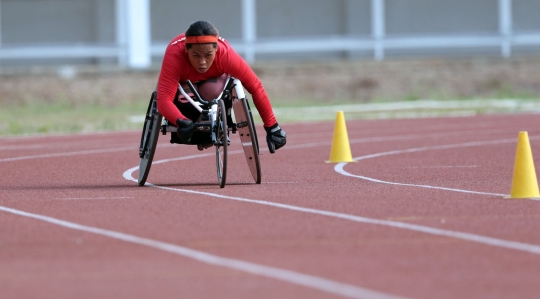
216, 119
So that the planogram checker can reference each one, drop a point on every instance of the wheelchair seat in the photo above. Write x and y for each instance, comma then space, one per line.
202, 134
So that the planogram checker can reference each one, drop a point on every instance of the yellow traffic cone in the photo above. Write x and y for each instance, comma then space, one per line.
341, 151
524, 182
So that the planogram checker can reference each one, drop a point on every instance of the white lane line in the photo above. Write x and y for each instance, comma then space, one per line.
386, 138
289, 276
446, 166
57, 145
530, 248
105, 134
339, 167
88, 152
77, 198
289, 147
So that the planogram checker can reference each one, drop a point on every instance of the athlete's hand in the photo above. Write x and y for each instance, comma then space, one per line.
185, 129
275, 137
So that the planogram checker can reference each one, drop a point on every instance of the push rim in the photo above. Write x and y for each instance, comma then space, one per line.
253, 163
149, 140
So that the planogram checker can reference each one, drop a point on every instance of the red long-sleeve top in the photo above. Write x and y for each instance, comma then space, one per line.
176, 68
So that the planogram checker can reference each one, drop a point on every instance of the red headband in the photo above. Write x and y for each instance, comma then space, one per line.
204, 39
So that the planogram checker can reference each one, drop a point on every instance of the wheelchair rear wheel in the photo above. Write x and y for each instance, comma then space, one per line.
248, 136
222, 142
149, 138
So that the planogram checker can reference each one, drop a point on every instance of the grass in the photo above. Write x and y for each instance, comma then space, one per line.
97, 101
46, 118
62, 117
409, 109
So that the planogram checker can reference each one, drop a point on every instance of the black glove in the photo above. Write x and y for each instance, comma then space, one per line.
275, 137
185, 129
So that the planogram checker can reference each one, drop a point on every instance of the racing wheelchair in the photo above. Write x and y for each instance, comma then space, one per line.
214, 125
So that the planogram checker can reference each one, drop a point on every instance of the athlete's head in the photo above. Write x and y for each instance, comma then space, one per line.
201, 45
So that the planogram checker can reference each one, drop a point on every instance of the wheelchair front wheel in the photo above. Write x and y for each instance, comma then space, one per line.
222, 142
149, 138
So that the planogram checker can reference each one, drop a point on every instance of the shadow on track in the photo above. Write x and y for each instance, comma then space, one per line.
180, 185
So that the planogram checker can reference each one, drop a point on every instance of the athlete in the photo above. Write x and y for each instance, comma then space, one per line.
201, 54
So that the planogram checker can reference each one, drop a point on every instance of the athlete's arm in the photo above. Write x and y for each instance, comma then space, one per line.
167, 86
233, 64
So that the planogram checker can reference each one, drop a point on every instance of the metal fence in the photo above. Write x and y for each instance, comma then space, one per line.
134, 33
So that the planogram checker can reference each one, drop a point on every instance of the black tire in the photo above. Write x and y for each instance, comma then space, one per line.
254, 132
149, 138
222, 139
248, 137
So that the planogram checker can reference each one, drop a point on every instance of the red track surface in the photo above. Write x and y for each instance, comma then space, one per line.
80, 179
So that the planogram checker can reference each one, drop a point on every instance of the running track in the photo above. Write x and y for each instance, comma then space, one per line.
421, 214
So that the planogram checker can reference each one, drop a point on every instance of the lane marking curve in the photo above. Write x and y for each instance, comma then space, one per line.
310, 281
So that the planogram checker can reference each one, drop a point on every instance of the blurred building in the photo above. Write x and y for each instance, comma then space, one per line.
134, 33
